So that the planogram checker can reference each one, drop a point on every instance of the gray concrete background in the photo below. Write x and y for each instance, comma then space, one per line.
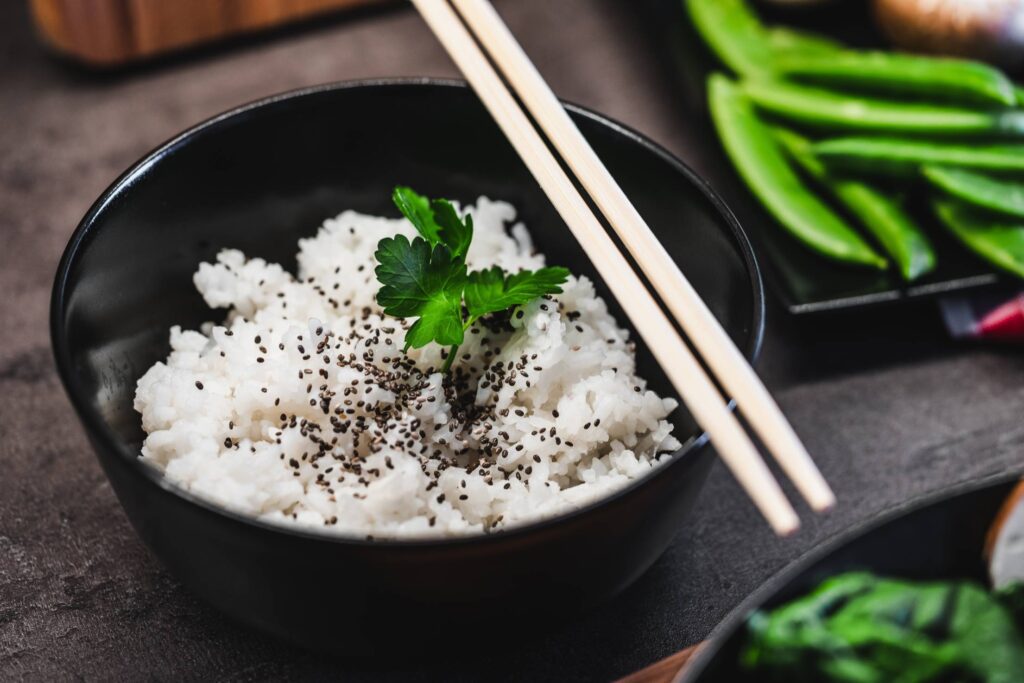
889, 406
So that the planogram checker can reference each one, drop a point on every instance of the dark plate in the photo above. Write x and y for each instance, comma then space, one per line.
257, 179
939, 538
804, 281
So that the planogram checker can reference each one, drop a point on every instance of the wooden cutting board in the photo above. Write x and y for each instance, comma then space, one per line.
115, 32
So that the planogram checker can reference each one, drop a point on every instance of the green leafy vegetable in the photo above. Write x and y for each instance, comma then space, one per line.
436, 220
455, 233
417, 209
1012, 598
860, 628
424, 282
427, 278
492, 290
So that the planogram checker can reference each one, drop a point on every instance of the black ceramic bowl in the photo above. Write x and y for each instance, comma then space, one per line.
939, 538
257, 179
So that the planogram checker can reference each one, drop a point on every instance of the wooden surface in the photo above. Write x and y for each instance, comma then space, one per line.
663, 671
889, 406
113, 32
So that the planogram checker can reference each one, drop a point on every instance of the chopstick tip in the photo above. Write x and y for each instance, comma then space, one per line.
824, 501
785, 524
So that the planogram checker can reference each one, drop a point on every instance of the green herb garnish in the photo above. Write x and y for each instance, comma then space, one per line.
860, 628
1012, 598
427, 278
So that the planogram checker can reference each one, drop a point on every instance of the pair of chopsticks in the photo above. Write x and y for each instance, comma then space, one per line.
696, 389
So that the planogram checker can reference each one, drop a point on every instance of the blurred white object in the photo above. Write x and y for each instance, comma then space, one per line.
1006, 542
991, 30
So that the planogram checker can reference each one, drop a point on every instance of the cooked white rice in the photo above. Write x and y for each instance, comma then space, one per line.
301, 408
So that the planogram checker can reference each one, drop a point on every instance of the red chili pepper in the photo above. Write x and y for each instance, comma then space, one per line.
984, 318
1004, 323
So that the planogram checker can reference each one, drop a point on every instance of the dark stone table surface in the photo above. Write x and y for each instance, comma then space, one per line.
891, 408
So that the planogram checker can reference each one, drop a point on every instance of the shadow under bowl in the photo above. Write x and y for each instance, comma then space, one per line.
257, 179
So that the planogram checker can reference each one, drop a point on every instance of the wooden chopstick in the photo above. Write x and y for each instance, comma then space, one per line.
700, 325
684, 371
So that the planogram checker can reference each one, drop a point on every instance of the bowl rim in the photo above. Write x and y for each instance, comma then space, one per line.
98, 430
709, 649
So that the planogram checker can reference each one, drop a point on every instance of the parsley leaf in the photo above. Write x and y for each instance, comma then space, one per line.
427, 277
454, 233
422, 281
437, 221
488, 291
417, 209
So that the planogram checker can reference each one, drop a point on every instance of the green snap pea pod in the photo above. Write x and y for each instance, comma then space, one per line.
892, 156
787, 41
762, 165
734, 34
880, 214
902, 74
827, 109
995, 194
998, 241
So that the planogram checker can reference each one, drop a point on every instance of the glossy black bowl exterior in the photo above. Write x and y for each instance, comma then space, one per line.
940, 538
257, 179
